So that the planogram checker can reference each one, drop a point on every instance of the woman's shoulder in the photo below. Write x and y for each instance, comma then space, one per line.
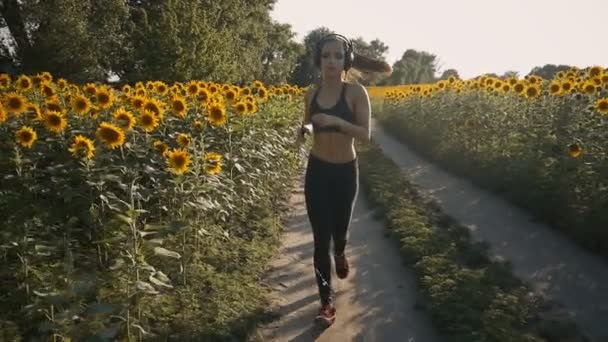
355, 89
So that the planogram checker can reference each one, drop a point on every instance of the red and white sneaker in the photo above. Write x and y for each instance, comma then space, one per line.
327, 315
341, 266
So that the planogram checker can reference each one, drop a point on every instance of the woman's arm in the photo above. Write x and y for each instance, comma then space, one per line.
305, 125
362, 111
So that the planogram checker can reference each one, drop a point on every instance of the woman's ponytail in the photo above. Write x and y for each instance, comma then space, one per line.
366, 64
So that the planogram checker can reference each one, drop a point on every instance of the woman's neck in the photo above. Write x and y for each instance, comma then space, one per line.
331, 83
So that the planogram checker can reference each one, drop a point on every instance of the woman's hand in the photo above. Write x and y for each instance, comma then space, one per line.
325, 120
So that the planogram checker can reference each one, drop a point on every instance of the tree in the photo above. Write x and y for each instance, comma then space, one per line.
548, 71
414, 67
78, 39
449, 72
305, 71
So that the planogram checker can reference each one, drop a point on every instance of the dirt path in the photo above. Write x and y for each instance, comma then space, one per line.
554, 264
375, 303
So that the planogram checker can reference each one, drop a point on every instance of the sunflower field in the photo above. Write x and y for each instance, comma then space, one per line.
542, 143
141, 212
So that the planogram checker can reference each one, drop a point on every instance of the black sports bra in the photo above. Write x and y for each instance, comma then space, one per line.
340, 110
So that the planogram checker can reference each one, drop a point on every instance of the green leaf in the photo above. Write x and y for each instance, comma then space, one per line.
167, 253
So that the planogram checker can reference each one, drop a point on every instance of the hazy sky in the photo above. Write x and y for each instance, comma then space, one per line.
472, 36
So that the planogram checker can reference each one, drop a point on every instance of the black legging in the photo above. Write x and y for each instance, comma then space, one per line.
330, 190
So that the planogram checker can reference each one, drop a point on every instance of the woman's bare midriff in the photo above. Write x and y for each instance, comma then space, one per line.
333, 147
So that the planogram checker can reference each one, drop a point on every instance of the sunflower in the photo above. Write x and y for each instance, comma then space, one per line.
126, 89
555, 88
148, 121
47, 90
532, 90
124, 118
566, 86
217, 115
602, 105
154, 106
24, 83
90, 88
138, 101
204, 95
588, 88
198, 125
160, 146
178, 161
110, 135
183, 140
105, 98
46, 77
3, 114
62, 84
230, 94
519, 87
506, 87
34, 112
81, 105
178, 104
192, 88
5, 81
26, 136
53, 106
241, 108
15, 103
82, 147
258, 84
252, 108
575, 150
214, 162
161, 88
595, 71
263, 94
55, 121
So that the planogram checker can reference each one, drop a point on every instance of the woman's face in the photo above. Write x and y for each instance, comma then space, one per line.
332, 58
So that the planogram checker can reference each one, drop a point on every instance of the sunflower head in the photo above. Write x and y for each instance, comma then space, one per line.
124, 118
105, 97
178, 161
532, 91
148, 121
112, 136
161, 87
15, 103
62, 84
183, 139
241, 108
5, 81
34, 112
24, 83
602, 105
55, 121
213, 163
192, 88
26, 136
154, 106
198, 125
53, 105
575, 150
81, 105
160, 147
217, 115
82, 147
3, 114
178, 104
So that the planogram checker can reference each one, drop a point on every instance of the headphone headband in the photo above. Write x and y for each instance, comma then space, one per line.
325, 38
349, 53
